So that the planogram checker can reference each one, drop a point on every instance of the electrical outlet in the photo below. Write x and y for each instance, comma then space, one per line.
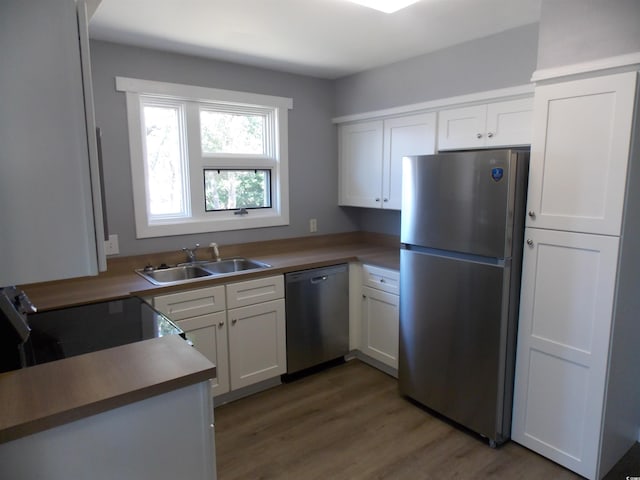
111, 246
313, 225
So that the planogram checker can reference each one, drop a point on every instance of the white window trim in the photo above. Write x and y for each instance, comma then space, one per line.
278, 215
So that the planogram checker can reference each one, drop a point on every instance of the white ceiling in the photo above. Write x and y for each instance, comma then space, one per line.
322, 38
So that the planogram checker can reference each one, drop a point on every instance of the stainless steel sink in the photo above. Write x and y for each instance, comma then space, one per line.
190, 272
230, 265
174, 275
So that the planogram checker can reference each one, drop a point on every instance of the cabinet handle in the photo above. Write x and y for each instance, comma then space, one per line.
478, 135
490, 134
382, 280
532, 214
234, 321
386, 200
377, 199
221, 324
364, 296
530, 242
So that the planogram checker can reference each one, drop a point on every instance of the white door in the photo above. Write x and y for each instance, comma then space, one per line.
360, 146
509, 123
568, 286
380, 324
579, 154
410, 135
462, 128
257, 343
208, 333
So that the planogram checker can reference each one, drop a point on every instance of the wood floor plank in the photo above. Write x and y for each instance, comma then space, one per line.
349, 422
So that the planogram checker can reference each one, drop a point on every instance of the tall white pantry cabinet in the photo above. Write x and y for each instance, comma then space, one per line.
50, 195
577, 388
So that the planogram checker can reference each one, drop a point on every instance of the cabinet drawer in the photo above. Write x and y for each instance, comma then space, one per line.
192, 303
381, 278
255, 291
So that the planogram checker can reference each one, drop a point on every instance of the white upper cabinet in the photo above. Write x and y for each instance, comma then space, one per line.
371, 158
360, 147
410, 135
495, 124
48, 159
579, 154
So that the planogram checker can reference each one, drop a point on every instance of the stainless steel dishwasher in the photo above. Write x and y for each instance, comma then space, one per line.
317, 302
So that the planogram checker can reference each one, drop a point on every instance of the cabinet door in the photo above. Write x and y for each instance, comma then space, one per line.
208, 333
410, 135
462, 128
380, 324
257, 343
360, 146
579, 154
45, 179
566, 308
509, 123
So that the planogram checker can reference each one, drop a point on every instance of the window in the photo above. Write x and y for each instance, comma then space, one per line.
236, 189
205, 160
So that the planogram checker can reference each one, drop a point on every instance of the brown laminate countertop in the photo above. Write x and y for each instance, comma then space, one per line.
48, 395
52, 394
284, 256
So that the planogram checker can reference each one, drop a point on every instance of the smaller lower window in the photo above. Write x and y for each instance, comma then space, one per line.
234, 189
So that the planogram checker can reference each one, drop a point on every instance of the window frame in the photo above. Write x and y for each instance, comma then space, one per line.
194, 98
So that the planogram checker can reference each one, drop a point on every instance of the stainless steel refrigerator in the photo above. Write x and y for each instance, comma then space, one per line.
460, 261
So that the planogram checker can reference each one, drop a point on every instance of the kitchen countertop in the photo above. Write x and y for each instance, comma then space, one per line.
287, 255
52, 394
44, 396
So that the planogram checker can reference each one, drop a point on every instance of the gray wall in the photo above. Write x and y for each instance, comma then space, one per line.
575, 31
313, 168
502, 60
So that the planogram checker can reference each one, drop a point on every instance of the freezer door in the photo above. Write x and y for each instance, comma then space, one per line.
462, 201
454, 331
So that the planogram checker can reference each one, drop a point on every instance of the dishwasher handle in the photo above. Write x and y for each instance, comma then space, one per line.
319, 279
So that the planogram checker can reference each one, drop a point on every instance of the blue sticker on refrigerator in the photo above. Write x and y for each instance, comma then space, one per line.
497, 174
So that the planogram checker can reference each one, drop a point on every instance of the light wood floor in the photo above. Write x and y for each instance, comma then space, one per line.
350, 423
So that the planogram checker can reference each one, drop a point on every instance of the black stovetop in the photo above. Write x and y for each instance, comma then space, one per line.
63, 333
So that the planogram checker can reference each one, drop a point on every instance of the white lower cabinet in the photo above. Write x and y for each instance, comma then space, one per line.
208, 334
380, 315
202, 315
247, 343
564, 334
257, 343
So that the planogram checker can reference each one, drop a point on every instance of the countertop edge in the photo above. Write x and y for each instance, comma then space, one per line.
135, 372
117, 285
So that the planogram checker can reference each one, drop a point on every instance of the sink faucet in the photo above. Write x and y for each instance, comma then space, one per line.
216, 252
191, 253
